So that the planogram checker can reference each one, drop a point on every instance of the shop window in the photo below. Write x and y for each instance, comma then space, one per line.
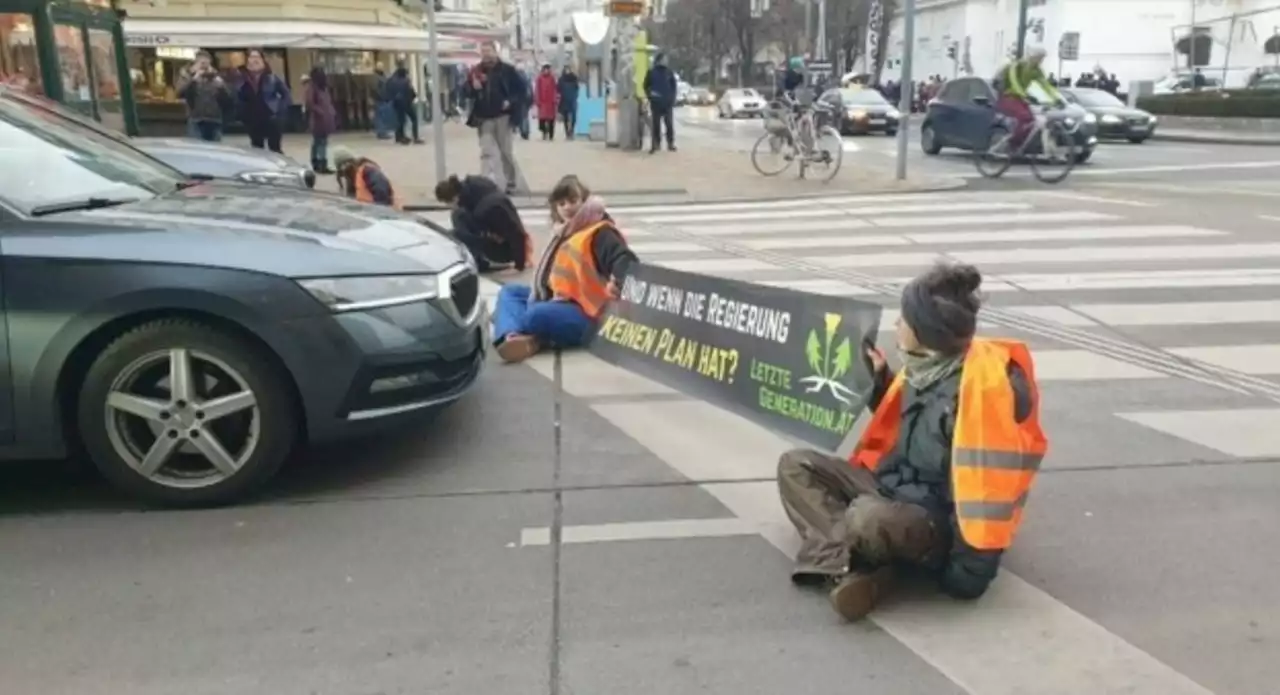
106, 75
19, 62
76, 90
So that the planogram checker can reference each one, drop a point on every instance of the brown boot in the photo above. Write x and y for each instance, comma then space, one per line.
859, 592
518, 348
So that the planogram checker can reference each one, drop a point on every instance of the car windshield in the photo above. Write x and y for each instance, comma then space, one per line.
52, 160
1095, 97
862, 97
744, 93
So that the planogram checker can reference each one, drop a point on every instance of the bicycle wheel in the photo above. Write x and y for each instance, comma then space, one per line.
1059, 157
828, 152
996, 158
771, 154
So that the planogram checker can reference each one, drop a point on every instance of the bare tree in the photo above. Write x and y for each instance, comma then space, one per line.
743, 29
692, 35
888, 9
846, 32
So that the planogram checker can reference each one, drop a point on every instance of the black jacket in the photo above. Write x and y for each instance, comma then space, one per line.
917, 470
495, 214
660, 86
500, 84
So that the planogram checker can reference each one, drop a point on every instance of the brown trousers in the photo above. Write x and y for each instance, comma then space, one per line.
841, 516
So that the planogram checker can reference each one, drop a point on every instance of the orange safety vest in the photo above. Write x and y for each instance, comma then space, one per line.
574, 274
994, 458
363, 194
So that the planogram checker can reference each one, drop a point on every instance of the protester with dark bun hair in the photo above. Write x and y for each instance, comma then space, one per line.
940, 476
487, 223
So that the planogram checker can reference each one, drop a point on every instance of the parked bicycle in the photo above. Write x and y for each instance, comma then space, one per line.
1055, 135
792, 134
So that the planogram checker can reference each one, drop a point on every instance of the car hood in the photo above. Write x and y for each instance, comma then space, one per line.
281, 231
211, 158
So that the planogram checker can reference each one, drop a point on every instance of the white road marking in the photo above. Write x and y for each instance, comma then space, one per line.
1176, 167
1078, 197
1003, 236
996, 218
1257, 360
1244, 432
1076, 254
671, 529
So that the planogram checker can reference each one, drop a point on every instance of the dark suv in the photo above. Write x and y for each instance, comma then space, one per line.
962, 114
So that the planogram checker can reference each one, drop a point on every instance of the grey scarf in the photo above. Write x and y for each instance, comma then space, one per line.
924, 369
591, 212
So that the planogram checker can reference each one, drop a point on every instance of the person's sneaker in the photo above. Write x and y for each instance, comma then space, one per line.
671, 148
859, 592
814, 580
518, 348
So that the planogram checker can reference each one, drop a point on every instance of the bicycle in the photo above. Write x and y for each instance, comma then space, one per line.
1056, 137
791, 131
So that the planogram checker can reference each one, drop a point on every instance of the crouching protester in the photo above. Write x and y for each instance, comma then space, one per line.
362, 179
487, 223
580, 271
940, 476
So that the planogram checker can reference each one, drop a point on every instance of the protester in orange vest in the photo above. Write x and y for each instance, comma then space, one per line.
362, 179
487, 223
940, 475
580, 271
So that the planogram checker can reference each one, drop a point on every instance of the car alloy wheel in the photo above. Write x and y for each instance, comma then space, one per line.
183, 414
182, 418
928, 140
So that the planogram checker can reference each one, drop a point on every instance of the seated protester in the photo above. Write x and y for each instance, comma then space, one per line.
940, 476
580, 271
486, 222
362, 179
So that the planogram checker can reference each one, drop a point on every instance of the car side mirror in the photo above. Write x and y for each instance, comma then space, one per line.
982, 100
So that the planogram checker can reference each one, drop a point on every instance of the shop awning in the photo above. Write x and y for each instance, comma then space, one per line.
276, 33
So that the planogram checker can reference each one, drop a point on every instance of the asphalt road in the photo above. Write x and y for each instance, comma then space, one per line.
1113, 160
426, 562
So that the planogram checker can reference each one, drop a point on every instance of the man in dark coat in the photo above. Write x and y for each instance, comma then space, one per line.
660, 88
568, 88
486, 222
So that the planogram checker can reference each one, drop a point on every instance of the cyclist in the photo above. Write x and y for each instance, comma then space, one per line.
793, 77
1015, 102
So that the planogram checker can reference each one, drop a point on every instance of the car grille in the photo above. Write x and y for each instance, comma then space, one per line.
464, 292
1138, 120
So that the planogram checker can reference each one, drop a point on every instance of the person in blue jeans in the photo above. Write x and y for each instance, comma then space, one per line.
580, 272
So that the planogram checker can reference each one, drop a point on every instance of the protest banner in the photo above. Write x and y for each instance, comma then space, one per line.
787, 360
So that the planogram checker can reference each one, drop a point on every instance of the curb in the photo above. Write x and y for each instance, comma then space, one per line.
1217, 139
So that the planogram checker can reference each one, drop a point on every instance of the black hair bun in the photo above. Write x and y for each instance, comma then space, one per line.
955, 282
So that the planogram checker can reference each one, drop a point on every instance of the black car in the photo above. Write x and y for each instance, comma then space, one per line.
1115, 118
188, 335
862, 111
963, 114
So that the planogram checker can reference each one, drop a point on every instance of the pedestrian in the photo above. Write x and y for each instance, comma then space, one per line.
207, 97
580, 272
403, 98
660, 86
568, 89
264, 101
383, 113
493, 89
545, 96
363, 179
940, 475
520, 112
322, 119
487, 223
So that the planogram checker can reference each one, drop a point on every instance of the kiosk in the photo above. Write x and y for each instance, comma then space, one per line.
71, 51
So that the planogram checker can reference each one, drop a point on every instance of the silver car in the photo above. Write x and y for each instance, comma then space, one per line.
216, 160
740, 103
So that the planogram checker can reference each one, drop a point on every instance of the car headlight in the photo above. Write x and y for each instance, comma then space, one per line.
274, 178
857, 114
1151, 119
893, 113
1110, 118
372, 291
1092, 118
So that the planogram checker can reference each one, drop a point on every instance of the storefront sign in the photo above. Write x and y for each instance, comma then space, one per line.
624, 8
146, 40
790, 361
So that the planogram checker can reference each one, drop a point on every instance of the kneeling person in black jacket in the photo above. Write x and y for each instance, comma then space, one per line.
487, 223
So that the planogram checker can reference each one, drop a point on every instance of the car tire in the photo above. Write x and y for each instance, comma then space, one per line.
1138, 140
891, 133
1083, 156
104, 432
929, 140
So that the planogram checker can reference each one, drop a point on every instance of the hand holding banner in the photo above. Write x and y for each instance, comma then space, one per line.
787, 360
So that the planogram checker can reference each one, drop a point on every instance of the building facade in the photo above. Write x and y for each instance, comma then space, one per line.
1133, 39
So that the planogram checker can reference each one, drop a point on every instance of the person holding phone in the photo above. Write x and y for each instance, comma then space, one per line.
207, 98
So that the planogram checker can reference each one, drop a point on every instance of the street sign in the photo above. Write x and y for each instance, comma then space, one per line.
758, 8
625, 8
1069, 46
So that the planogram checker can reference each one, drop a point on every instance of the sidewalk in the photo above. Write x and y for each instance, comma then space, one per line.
693, 174
1224, 131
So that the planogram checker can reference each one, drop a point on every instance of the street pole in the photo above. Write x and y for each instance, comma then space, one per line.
808, 26
822, 30
908, 89
1022, 27
1191, 54
437, 123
